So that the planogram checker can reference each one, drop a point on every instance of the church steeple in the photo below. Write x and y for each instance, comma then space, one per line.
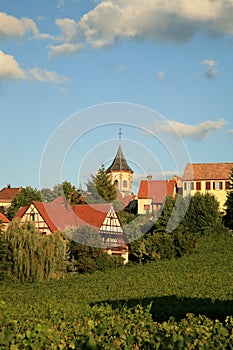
119, 162
120, 172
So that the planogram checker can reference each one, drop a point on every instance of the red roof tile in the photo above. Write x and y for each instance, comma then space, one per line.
59, 216
157, 189
207, 171
55, 216
91, 214
8, 193
3, 218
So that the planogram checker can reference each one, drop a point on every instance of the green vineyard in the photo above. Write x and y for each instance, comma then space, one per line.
184, 303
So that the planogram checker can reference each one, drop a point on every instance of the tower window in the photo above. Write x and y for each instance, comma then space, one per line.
116, 183
125, 184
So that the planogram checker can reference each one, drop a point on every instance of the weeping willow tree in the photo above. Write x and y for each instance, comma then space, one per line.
33, 257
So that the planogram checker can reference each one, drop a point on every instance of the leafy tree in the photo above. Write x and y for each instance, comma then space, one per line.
3, 254
100, 187
73, 195
23, 198
228, 217
33, 257
47, 195
65, 189
203, 214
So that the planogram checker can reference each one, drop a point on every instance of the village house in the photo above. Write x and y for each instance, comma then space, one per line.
152, 194
59, 215
213, 178
6, 196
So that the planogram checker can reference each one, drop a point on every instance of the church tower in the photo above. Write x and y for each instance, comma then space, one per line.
120, 172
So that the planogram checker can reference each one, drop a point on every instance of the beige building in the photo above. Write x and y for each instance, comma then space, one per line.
213, 178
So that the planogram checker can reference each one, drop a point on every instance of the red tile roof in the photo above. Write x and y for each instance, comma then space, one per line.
59, 216
3, 218
207, 171
8, 193
156, 189
91, 214
55, 216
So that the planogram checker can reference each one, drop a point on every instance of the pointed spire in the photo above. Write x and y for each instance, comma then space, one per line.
119, 162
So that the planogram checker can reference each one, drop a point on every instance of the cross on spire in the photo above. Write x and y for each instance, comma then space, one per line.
120, 134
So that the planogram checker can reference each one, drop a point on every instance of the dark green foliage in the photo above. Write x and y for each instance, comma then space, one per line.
126, 217
107, 262
23, 198
174, 233
228, 217
66, 190
83, 257
3, 254
100, 188
203, 214
86, 259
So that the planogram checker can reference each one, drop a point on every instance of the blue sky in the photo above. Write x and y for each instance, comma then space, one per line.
77, 69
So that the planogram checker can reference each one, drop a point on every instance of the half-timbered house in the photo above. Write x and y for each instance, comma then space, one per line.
58, 215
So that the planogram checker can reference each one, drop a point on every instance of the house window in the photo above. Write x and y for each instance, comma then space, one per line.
125, 183
217, 185
198, 186
207, 185
190, 185
147, 207
185, 186
227, 185
32, 217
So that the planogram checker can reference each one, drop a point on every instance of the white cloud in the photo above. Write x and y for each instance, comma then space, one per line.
64, 49
230, 131
46, 76
211, 68
68, 41
161, 76
167, 20
10, 69
11, 26
197, 132
68, 28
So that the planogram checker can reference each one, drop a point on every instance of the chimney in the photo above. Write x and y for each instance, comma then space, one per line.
8, 186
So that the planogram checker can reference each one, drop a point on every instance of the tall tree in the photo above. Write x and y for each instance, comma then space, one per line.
228, 217
33, 257
65, 189
100, 187
23, 198
203, 214
3, 253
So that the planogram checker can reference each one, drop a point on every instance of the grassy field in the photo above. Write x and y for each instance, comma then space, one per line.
185, 303
198, 283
